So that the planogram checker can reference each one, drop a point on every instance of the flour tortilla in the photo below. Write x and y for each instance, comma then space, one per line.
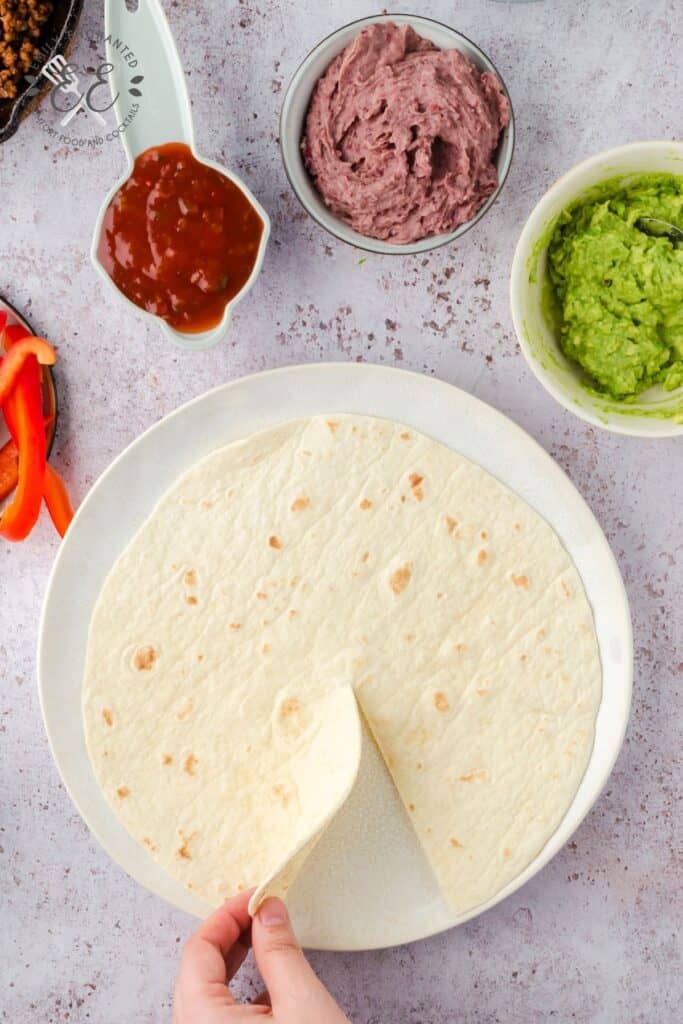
321, 554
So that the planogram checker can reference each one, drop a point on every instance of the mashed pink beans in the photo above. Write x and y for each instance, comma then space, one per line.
400, 136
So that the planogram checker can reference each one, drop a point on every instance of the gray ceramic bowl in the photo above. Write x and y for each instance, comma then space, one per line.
295, 108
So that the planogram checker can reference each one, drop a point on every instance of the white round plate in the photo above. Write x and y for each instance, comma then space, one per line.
367, 884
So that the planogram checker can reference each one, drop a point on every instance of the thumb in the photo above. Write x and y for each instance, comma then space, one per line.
292, 985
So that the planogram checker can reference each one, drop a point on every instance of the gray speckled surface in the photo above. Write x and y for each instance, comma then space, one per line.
595, 936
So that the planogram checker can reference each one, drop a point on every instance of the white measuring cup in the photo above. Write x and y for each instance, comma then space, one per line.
163, 115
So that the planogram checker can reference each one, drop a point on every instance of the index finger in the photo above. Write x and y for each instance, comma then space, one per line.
216, 950
224, 927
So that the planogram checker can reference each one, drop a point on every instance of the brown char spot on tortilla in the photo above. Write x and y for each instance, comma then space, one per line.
481, 557
441, 701
332, 426
275, 542
284, 793
292, 716
190, 578
405, 436
190, 764
566, 589
400, 579
479, 775
507, 853
167, 759
122, 792
521, 581
365, 504
451, 524
365, 557
183, 852
455, 844
186, 710
149, 844
191, 599
415, 486
107, 716
144, 658
235, 625
300, 503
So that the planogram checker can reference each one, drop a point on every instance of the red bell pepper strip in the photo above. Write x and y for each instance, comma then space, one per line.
9, 461
9, 468
53, 487
57, 500
17, 356
20, 516
9, 337
24, 415
13, 333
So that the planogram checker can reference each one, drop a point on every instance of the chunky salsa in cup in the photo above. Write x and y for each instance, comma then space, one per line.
180, 239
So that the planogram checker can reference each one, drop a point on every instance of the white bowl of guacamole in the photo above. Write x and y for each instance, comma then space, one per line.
597, 298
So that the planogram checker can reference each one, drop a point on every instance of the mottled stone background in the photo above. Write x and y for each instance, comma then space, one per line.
595, 936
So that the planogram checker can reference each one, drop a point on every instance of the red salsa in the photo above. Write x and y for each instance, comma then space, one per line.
180, 239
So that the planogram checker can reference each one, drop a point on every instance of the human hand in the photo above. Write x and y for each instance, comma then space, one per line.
217, 950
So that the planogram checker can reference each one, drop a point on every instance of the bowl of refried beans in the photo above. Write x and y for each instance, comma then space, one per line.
397, 134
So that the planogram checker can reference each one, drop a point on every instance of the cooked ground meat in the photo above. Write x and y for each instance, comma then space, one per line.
21, 23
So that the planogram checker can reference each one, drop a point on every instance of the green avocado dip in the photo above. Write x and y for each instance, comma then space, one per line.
617, 292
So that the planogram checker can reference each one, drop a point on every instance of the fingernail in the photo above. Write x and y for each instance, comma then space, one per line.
273, 912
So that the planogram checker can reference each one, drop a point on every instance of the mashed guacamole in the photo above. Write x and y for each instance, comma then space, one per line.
618, 291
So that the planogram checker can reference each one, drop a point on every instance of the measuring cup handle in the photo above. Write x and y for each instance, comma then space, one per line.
152, 106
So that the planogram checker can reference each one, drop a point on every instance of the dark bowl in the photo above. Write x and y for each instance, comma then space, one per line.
57, 37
